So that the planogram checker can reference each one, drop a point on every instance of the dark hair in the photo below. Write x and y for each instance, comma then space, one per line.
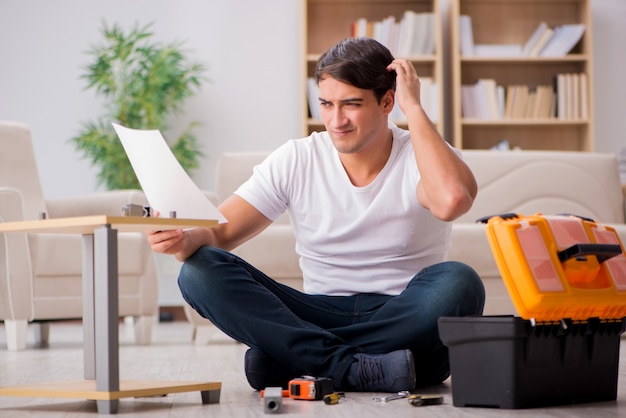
360, 62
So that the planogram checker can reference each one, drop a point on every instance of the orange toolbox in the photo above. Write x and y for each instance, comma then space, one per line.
566, 276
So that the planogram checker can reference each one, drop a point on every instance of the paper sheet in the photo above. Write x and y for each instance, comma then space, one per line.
167, 186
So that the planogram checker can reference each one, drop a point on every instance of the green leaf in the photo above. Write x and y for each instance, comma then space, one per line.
142, 83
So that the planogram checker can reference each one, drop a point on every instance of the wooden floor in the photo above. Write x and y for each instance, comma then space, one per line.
173, 356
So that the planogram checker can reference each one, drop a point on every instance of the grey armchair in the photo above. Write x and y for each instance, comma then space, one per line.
40, 274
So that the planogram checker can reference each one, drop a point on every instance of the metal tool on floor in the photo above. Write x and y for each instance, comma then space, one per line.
272, 400
400, 395
333, 398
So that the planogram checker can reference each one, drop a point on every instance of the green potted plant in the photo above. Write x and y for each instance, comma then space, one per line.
143, 83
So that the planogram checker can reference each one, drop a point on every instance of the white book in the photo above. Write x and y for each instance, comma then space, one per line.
488, 92
313, 96
383, 30
568, 37
501, 101
395, 38
575, 85
409, 32
429, 49
584, 96
498, 50
561, 108
360, 28
541, 42
467, 110
378, 33
426, 96
424, 38
434, 111
467, 36
534, 38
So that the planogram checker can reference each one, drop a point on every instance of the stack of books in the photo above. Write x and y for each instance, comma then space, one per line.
553, 42
413, 35
566, 99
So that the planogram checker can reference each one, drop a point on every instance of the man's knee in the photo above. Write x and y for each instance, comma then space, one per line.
469, 285
196, 273
460, 283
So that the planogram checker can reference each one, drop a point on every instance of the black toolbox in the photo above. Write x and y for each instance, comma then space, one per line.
564, 347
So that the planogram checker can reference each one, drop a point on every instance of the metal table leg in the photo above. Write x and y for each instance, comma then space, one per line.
106, 316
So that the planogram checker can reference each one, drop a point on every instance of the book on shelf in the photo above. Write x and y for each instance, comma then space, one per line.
497, 50
566, 99
413, 35
467, 36
313, 96
534, 38
564, 40
543, 40
488, 92
584, 96
572, 96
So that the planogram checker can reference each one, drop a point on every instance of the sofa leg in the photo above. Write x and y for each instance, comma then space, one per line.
202, 334
143, 329
42, 334
16, 334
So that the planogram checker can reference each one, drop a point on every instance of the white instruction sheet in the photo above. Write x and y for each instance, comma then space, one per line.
167, 186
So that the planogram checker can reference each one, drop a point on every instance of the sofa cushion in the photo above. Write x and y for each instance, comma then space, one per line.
547, 182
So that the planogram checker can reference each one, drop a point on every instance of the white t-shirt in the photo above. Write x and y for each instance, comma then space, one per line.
350, 240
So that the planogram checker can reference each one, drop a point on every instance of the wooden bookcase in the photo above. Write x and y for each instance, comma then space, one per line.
329, 21
513, 22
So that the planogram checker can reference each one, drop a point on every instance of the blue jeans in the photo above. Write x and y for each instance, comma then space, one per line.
318, 335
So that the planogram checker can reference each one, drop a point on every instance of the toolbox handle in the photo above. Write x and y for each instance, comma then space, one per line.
602, 251
505, 216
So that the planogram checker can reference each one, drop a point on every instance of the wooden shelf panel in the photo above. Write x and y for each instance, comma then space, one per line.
567, 137
329, 21
86, 389
513, 22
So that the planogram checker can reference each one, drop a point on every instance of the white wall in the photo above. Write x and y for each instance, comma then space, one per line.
253, 100
609, 32
252, 50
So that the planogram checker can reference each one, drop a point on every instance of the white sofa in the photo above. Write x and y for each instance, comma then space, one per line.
525, 182
41, 274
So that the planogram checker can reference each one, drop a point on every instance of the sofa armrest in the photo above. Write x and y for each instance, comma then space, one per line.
16, 280
103, 203
273, 252
11, 207
469, 245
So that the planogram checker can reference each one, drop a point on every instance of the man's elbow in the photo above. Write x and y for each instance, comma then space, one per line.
454, 206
